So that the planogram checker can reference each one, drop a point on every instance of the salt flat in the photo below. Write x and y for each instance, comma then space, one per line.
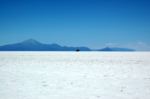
74, 75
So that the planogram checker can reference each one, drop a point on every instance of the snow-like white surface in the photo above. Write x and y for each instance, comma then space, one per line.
74, 75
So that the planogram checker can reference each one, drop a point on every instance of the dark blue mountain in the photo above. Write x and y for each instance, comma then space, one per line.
33, 45
115, 49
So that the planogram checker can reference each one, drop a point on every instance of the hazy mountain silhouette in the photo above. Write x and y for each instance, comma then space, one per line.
33, 45
115, 49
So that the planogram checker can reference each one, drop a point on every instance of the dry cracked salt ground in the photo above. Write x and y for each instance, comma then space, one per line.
71, 75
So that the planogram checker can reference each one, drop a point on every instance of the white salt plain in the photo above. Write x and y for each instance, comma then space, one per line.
74, 75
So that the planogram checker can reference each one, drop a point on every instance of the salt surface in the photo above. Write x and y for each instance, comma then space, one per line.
74, 75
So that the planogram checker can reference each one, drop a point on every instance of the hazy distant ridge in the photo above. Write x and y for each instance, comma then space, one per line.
33, 45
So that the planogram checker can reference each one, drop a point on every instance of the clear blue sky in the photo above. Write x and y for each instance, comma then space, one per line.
92, 23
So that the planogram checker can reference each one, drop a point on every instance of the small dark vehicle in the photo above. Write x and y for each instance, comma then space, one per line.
77, 50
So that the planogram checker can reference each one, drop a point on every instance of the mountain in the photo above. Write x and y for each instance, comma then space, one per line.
33, 45
115, 49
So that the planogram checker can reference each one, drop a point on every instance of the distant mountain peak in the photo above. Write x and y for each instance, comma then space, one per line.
116, 49
31, 41
106, 49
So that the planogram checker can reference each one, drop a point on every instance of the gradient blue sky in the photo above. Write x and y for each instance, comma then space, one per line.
92, 23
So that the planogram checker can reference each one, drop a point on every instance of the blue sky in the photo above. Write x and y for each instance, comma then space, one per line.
92, 23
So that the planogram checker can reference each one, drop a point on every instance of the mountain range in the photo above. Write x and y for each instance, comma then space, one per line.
116, 49
33, 45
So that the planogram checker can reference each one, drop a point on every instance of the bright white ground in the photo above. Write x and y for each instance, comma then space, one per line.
74, 75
